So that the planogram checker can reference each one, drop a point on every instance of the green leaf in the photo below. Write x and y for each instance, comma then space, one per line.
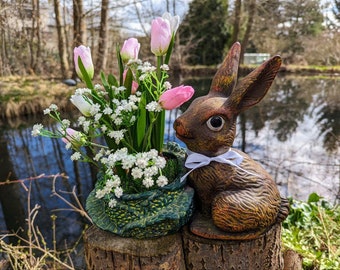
86, 76
112, 80
141, 121
169, 52
313, 197
128, 82
120, 65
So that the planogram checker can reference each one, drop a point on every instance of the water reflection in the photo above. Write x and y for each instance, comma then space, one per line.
24, 156
293, 132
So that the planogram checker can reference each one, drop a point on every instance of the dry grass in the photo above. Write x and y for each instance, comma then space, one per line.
32, 252
30, 95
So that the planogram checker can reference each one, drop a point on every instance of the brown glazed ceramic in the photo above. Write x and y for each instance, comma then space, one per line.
234, 202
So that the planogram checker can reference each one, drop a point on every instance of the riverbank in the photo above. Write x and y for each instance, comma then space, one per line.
29, 95
285, 69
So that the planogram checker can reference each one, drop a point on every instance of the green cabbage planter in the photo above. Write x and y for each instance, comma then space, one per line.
149, 214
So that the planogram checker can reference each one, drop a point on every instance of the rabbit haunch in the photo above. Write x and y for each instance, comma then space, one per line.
241, 202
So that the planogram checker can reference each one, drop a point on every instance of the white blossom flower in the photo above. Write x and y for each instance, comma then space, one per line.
150, 171
100, 194
153, 153
37, 129
98, 116
99, 155
118, 192
75, 156
117, 120
162, 181
118, 135
47, 111
97, 86
52, 107
164, 67
167, 85
95, 108
153, 106
107, 111
142, 162
137, 173
148, 182
143, 77
66, 122
68, 146
160, 162
128, 162
112, 203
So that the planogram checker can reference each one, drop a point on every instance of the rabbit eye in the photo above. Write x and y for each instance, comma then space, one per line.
215, 123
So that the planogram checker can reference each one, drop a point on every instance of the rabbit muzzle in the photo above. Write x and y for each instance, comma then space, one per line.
181, 132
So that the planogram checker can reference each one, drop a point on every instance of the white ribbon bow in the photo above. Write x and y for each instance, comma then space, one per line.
196, 160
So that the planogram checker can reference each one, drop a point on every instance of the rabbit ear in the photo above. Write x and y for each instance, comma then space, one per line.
225, 78
252, 89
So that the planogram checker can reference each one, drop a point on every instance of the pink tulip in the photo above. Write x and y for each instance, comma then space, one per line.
175, 97
173, 20
130, 49
85, 55
160, 36
134, 84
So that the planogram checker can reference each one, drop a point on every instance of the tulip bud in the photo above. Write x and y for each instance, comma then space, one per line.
134, 86
173, 20
130, 50
160, 36
83, 105
72, 136
85, 55
175, 97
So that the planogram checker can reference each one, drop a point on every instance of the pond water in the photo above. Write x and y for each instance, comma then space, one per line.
294, 133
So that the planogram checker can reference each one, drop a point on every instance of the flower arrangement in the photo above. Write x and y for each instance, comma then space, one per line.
122, 122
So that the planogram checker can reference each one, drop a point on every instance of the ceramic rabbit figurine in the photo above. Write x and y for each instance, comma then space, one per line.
237, 198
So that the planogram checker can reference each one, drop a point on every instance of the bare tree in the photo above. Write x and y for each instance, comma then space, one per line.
61, 41
78, 23
249, 26
102, 42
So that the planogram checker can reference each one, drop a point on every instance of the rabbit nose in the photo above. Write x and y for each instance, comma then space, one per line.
178, 126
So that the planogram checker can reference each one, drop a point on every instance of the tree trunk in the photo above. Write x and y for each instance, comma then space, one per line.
186, 251
102, 42
78, 26
207, 254
245, 41
292, 260
104, 250
61, 41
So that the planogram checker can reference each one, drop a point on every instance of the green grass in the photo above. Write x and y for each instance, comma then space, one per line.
313, 230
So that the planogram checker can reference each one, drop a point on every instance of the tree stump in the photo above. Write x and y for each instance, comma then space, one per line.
105, 250
208, 254
292, 260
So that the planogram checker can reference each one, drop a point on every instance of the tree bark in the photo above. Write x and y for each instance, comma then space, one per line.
207, 254
102, 42
186, 251
292, 260
61, 41
104, 250
250, 22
